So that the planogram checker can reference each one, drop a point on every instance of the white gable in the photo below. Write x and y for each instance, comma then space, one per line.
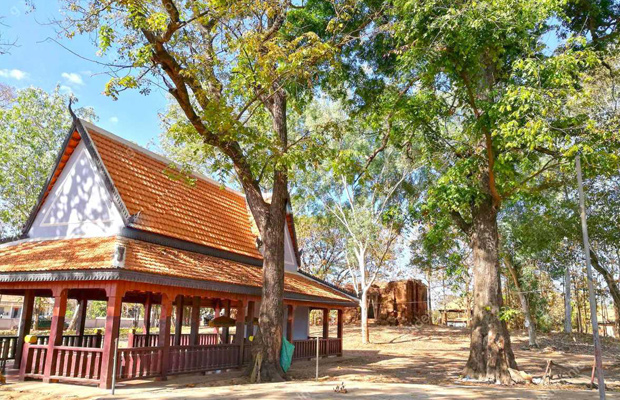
79, 204
290, 262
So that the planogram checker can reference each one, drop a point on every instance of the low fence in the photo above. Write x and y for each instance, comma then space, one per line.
83, 364
91, 341
152, 339
306, 349
8, 344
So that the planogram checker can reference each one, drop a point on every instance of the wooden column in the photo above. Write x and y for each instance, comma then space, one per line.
147, 315
112, 327
178, 326
226, 330
81, 320
195, 321
164, 334
55, 339
240, 328
250, 325
340, 324
290, 323
25, 324
325, 323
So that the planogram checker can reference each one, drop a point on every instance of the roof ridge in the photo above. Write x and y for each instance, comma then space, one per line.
155, 156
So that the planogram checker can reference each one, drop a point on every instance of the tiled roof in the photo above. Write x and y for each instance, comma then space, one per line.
96, 253
201, 211
57, 255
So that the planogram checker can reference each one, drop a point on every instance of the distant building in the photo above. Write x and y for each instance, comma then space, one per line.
396, 302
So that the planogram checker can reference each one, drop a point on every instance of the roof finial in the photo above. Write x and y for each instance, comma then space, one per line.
71, 110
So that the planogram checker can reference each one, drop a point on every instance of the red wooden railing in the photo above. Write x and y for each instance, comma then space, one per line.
77, 364
186, 359
7, 347
152, 339
307, 348
84, 364
33, 360
138, 362
94, 340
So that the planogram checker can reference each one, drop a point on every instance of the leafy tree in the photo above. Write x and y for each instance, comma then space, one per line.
234, 69
33, 124
489, 109
367, 201
322, 247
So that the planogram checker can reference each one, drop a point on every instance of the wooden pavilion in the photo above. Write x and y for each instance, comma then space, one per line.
118, 223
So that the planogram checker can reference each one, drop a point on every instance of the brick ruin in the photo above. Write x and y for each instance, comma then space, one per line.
401, 302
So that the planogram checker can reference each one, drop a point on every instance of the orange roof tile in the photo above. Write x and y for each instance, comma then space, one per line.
96, 253
202, 213
57, 255
147, 257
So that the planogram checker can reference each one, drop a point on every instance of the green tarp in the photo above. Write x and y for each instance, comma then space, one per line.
286, 354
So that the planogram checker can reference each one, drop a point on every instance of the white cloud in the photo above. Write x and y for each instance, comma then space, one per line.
13, 74
73, 77
114, 120
66, 89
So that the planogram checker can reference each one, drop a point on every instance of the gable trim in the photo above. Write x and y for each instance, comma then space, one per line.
99, 167
40, 199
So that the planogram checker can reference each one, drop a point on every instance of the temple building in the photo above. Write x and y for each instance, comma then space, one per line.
117, 223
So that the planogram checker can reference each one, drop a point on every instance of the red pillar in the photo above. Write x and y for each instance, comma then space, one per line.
58, 324
178, 326
240, 328
339, 335
290, 323
250, 325
25, 324
195, 321
226, 330
147, 314
164, 333
325, 323
340, 324
112, 326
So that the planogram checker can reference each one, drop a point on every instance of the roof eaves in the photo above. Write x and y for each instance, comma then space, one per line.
352, 296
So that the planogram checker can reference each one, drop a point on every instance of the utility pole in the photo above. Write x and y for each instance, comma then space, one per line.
586, 248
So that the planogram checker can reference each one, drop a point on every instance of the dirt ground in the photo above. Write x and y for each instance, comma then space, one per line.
401, 362
437, 354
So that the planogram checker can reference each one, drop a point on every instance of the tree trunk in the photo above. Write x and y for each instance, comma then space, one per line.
515, 272
75, 317
490, 350
428, 297
611, 284
364, 316
271, 224
568, 310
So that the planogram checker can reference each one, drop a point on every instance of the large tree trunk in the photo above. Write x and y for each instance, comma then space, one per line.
568, 309
611, 284
490, 353
515, 272
271, 224
364, 316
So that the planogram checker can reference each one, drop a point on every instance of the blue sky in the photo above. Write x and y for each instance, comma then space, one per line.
38, 61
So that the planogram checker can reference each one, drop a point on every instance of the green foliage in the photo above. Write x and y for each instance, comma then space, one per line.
33, 124
231, 58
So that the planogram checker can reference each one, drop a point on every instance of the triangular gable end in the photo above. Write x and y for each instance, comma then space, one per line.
79, 198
